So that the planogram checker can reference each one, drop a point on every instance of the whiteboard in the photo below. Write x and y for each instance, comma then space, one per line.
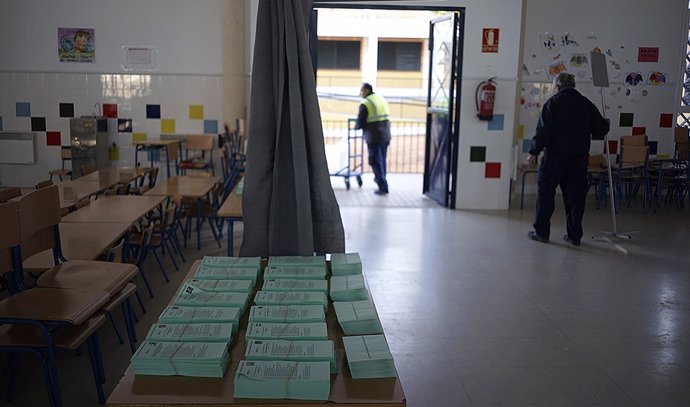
17, 148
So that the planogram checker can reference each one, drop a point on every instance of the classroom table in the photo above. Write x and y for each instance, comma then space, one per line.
139, 390
231, 211
151, 145
72, 191
111, 176
186, 187
115, 209
80, 241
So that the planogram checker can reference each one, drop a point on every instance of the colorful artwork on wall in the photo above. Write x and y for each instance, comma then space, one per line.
76, 45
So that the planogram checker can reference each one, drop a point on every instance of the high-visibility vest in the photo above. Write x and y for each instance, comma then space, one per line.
377, 108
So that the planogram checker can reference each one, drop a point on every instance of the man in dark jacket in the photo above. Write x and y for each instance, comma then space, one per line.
373, 120
567, 122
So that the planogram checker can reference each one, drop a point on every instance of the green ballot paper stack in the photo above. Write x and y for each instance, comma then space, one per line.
282, 380
349, 288
358, 317
190, 333
175, 314
287, 313
345, 264
312, 331
207, 359
206, 299
196, 285
295, 272
369, 357
295, 285
291, 298
204, 272
298, 351
301, 261
232, 262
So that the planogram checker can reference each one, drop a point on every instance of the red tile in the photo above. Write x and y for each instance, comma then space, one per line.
110, 110
639, 130
53, 138
492, 170
613, 147
666, 120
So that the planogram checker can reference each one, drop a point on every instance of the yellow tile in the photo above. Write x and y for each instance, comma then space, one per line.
521, 132
663, 156
196, 112
167, 126
139, 137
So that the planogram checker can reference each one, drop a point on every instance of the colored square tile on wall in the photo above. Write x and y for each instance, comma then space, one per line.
210, 126
153, 111
139, 137
124, 125
666, 120
521, 132
653, 147
477, 154
596, 137
53, 138
23, 109
496, 123
492, 170
196, 112
168, 126
66, 109
0, 123
527, 145
639, 130
38, 124
102, 126
613, 147
663, 156
110, 110
626, 120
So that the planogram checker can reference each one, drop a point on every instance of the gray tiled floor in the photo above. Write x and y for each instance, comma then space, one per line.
478, 315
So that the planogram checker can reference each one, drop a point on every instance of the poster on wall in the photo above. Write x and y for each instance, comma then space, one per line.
76, 44
139, 58
555, 68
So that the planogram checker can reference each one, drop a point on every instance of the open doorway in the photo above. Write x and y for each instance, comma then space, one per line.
412, 56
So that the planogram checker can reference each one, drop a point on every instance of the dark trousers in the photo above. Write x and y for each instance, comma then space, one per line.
377, 160
570, 172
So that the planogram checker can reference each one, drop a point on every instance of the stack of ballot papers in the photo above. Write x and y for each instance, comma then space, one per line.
295, 285
216, 273
174, 314
190, 333
301, 261
299, 351
197, 359
345, 264
287, 313
312, 331
232, 262
369, 357
196, 285
282, 380
295, 272
358, 317
206, 299
349, 288
291, 298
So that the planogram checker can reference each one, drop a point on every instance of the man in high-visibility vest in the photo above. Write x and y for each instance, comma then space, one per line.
373, 120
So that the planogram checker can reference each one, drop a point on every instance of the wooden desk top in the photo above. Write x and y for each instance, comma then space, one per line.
80, 241
110, 176
73, 191
232, 207
161, 143
188, 187
71, 305
115, 209
133, 390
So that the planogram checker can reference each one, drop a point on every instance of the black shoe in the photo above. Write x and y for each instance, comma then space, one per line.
534, 236
381, 192
571, 241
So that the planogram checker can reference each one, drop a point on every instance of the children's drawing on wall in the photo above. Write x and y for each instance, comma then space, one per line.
555, 68
549, 44
76, 44
579, 60
633, 79
567, 40
657, 78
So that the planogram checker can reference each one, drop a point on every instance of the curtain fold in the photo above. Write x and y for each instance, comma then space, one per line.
289, 207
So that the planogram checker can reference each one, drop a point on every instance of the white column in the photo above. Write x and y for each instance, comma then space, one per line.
370, 45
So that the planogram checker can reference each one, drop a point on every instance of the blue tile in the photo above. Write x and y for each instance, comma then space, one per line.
153, 111
496, 123
210, 126
23, 109
526, 145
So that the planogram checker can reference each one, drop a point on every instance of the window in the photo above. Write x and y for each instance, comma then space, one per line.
338, 54
400, 56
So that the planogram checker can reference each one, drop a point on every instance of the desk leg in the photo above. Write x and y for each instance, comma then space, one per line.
198, 223
136, 157
231, 245
522, 190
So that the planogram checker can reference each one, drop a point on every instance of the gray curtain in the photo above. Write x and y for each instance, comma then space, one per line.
288, 202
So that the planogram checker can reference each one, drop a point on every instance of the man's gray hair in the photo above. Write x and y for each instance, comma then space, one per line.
564, 80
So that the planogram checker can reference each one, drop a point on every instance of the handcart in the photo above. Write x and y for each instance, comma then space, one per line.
355, 155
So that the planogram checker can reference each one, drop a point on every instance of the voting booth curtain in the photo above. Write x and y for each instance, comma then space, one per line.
289, 207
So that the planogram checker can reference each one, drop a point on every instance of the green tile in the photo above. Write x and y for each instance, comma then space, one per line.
477, 154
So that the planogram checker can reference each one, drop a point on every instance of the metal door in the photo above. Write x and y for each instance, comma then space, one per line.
440, 161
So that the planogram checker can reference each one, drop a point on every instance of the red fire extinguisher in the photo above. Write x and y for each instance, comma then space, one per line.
484, 98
